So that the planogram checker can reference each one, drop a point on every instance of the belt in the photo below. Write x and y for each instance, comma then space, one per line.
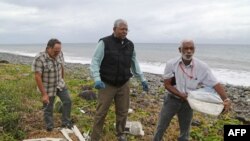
174, 96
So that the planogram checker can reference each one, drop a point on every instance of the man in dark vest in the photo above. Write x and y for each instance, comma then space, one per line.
111, 67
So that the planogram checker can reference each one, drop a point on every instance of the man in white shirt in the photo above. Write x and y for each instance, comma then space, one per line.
181, 75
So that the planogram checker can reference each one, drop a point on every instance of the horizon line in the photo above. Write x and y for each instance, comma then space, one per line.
134, 42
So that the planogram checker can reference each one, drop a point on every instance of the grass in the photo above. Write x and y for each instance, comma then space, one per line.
21, 115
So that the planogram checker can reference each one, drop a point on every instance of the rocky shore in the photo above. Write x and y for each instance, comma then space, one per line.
239, 95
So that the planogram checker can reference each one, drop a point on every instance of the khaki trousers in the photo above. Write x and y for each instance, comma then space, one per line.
120, 95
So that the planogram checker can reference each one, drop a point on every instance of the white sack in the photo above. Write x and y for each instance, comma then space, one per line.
205, 100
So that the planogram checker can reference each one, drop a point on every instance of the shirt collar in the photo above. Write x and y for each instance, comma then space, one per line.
122, 41
49, 58
190, 65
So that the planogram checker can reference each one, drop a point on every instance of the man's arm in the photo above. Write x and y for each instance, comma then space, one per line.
168, 85
37, 68
96, 61
135, 68
63, 62
169, 80
62, 72
210, 80
221, 91
38, 78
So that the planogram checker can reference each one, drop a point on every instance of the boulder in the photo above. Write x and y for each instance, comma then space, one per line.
88, 95
4, 62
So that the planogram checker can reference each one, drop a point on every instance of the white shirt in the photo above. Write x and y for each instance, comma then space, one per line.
191, 76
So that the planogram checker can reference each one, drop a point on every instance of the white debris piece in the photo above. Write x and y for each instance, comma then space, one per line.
78, 133
75, 130
86, 136
82, 111
134, 128
46, 139
66, 132
130, 110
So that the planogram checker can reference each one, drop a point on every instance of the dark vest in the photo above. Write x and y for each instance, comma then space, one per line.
116, 64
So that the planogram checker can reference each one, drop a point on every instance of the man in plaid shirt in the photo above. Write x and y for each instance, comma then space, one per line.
49, 72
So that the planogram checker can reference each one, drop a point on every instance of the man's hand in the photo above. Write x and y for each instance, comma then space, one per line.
227, 105
144, 86
99, 85
45, 98
184, 97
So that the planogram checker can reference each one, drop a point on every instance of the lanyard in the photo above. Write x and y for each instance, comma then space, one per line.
191, 76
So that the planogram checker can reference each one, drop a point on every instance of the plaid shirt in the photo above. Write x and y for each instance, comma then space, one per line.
51, 71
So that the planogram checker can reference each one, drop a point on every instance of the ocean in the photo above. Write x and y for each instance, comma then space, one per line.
229, 63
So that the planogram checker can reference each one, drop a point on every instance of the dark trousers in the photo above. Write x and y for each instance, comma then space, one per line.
120, 95
172, 106
66, 108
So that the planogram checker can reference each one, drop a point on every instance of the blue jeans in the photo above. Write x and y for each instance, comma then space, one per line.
172, 106
66, 109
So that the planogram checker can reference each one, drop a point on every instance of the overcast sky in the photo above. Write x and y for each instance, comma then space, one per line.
149, 21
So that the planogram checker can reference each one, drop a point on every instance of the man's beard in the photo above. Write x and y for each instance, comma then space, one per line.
184, 56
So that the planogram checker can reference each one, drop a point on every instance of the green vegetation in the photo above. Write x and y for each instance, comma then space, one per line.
21, 115
211, 128
16, 92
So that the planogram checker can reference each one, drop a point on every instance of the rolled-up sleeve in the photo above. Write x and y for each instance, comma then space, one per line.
209, 78
37, 66
168, 71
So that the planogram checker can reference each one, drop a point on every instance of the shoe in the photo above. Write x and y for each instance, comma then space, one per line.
122, 138
68, 125
49, 129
